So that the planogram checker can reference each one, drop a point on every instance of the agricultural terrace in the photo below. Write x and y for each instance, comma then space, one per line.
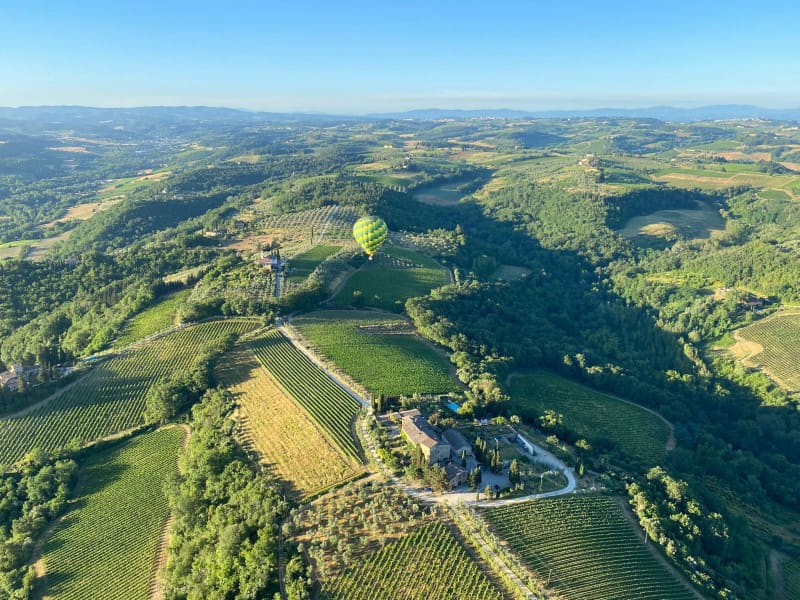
156, 318
392, 277
390, 546
281, 432
773, 345
639, 434
106, 546
378, 350
584, 547
304, 263
111, 398
333, 409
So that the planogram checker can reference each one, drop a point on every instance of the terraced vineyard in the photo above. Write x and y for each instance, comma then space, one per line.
638, 433
774, 345
106, 546
278, 429
111, 398
585, 548
429, 563
380, 351
330, 406
394, 275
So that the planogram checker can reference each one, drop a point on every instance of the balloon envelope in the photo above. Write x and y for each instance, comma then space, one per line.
370, 233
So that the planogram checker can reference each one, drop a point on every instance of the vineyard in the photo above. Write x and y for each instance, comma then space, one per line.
111, 397
638, 433
330, 406
429, 563
779, 339
106, 546
364, 345
280, 432
394, 276
791, 578
304, 263
584, 547
152, 320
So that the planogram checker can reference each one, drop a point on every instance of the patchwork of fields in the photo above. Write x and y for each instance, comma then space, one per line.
106, 545
365, 345
282, 434
332, 408
639, 434
585, 548
111, 397
772, 344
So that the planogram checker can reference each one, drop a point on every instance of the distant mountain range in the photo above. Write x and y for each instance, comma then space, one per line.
58, 114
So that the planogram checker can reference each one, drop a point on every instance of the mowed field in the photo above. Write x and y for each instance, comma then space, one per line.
333, 409
392, 277
429, 563
279, 430
304, 263
111, 398
772, 344
585, 548
106, 546
156, 318
637, 433
378, 350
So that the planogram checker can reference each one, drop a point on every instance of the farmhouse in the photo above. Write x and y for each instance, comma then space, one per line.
458, 443
418, 432
9, 380
456, 475
273, 262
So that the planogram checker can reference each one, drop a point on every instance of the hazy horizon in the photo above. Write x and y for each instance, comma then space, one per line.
358, 58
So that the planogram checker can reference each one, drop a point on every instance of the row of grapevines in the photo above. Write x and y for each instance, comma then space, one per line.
111, 397
429, 563
107, 544
584, 548
330, 406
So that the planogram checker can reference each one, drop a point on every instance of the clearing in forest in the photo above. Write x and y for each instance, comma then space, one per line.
392, 277
773, 345
106, 545
584, 548
281, 432
673, 224
639, 434
378, 350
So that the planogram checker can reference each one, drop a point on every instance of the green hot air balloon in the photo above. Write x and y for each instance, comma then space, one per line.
370, 233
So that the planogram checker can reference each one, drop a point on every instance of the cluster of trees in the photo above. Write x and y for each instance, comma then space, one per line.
223, 542
169, 397
696, 536
420, 469
30, 498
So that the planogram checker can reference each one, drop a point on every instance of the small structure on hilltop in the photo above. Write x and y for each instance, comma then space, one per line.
418, 432
273, 262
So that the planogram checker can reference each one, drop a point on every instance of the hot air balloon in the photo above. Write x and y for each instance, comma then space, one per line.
370, 233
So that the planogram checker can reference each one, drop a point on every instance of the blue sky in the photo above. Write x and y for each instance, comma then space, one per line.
352, 57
